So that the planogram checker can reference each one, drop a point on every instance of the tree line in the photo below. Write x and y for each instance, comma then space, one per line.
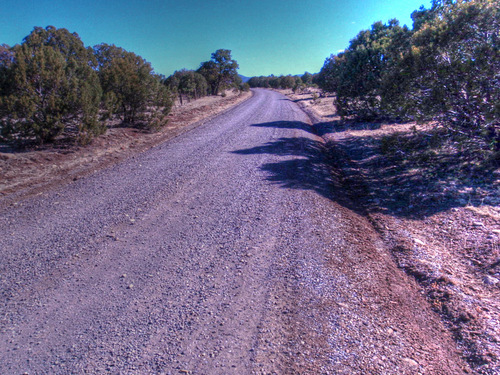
213, 76
52, 84
446, 69
296, 83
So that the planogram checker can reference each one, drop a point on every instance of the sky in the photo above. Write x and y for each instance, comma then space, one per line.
265, 36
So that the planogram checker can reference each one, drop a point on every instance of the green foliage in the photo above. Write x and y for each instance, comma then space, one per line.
283, 82
307, 78
457, 57
220, 72
52, 84
48, 87
315, 98
193, 84
445, 69
158, 104
187, 83
299, 85
259, 82
287, 82
356, 74
237, 82
131, 89
275, 82
6, 60
244, 86
208, 69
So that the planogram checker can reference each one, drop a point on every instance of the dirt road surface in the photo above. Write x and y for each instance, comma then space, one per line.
226, 250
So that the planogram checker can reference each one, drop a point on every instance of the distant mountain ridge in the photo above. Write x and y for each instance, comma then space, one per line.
243, 78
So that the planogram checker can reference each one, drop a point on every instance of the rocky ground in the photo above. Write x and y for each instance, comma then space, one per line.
441, 222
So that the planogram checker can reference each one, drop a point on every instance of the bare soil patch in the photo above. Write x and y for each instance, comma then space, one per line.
438, 210
31, 171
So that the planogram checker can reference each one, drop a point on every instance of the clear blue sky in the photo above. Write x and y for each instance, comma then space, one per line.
265, 36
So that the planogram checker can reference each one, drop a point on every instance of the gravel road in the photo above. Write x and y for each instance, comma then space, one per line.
222, 251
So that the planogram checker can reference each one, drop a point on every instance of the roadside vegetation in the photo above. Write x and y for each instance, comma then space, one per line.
296, 83
213, 77
53, 87
411, 121
442, 77
445, 69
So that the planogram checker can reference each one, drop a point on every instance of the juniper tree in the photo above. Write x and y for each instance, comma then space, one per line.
187, 83
307, 78
456, 68
356, 74
129, 84
51, 88
208, 69
6, 60
445, 69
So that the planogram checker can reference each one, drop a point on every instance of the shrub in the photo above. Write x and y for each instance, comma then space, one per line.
131, 89
50, 88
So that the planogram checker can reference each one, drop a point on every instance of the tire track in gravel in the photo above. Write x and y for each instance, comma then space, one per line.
218, 252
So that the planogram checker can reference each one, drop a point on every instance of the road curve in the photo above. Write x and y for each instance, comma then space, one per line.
222, 251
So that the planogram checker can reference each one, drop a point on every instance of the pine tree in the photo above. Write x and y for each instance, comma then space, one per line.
221, 71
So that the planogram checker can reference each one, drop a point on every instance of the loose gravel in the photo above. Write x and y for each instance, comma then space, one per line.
222, 251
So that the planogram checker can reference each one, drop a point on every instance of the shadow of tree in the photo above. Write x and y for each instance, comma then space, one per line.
324, 128
61, 144
363, 173
416, 174
287, 125
310, 169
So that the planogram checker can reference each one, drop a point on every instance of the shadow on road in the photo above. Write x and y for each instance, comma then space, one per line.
287, 125
311, 169
355, 171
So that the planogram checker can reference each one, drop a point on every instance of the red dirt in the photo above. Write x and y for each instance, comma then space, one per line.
442, 231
